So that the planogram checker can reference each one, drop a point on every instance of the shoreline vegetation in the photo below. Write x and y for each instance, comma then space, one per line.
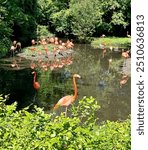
121, 42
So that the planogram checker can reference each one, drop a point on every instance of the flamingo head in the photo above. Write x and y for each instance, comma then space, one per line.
33, 72
76, 76
122, 50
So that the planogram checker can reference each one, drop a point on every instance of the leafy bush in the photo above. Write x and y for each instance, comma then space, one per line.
85, 15
5, 32
5, 46
42, 32
37, 130
114, 135
84, 19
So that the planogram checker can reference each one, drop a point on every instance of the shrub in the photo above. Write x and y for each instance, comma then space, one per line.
37, 130
42, 31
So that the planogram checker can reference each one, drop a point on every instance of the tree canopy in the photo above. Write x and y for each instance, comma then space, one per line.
71, 18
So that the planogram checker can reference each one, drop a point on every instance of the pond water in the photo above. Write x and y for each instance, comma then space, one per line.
101, 76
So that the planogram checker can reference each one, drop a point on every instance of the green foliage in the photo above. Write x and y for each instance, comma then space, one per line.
85, 18
114, 17
85, 14
4, 45
37, 130
17, 22
42, 32
114, 135
86, 110
5, 31
62, 21
45, 9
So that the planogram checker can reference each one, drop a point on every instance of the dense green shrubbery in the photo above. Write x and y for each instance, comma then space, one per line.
5, 31
85, 18
23, 130
42, 32
17, 22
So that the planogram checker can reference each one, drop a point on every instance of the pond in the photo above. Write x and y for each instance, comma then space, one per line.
101, 78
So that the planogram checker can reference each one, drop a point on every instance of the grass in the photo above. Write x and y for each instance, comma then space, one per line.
114, 41
36, 49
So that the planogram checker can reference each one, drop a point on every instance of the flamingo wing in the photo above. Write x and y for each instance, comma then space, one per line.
64, 101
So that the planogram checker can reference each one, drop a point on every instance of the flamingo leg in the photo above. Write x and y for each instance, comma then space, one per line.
125, 62
66, 111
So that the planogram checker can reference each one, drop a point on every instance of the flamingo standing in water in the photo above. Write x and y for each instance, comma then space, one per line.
67, 100
128, 35
36, 84
125, 55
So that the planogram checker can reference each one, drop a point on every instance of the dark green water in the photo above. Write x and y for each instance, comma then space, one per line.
99, 79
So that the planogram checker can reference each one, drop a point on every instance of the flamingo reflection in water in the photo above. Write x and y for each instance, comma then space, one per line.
36, 84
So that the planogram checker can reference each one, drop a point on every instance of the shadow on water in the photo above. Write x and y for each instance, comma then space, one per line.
101, 76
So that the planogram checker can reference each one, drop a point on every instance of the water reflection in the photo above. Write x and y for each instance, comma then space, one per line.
100, 74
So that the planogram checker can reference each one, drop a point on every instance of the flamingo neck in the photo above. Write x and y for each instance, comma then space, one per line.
75, 88
34, 77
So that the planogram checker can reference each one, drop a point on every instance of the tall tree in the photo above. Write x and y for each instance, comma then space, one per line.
85, 15
5, 29
115, 17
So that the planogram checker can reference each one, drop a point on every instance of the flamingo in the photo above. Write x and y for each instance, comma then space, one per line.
33, 42
14, 43
51, 40
111, 47
67, 100
18, 46
12, 49
36, 84
109, 62
123, 80
14, 64
43, 42
103, 52
125, 55
56, 41
103, 35
128, 35
32, 65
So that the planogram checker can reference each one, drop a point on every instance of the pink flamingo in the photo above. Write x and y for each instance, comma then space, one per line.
123, 80
67, 100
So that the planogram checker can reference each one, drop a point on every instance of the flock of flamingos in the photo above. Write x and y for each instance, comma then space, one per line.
44, 57
59, 48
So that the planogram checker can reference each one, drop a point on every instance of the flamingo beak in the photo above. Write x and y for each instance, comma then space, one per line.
77, 76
